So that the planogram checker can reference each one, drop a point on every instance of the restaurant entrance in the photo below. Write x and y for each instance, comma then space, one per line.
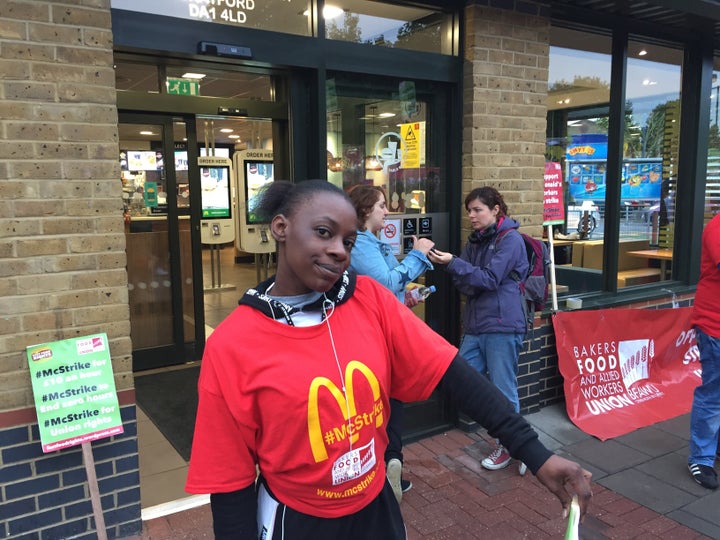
165, 297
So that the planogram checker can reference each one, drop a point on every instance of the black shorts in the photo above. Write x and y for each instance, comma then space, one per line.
379, 520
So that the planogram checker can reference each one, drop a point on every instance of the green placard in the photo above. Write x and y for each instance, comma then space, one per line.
150, 194
74, 391
183, 87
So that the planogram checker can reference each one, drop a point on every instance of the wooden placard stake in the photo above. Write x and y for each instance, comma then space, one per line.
553, 289
89, 462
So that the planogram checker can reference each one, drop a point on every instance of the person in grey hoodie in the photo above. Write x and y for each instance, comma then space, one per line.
488, 273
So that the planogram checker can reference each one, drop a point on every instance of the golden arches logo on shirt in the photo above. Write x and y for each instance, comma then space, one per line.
354, 422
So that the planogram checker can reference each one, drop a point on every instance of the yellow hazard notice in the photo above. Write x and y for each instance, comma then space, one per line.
412, 135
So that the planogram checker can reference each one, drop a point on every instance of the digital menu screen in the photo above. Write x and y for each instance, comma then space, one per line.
216, 196
257, 175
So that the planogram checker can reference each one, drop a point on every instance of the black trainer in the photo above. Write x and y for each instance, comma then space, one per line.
406, 485
704, 475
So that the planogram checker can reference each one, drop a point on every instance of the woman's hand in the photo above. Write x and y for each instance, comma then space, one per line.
565, 478
410, 300
423, 245
440, 257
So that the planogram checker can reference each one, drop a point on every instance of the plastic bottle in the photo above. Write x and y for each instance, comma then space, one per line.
421, 293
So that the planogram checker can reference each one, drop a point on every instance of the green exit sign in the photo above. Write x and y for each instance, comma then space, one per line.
183, 87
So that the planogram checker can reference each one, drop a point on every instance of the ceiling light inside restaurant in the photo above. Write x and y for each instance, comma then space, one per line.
372, 164
190, 75
386, 115
226, 130
642, 52
146, 133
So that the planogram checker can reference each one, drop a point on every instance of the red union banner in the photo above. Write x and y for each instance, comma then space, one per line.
626, 368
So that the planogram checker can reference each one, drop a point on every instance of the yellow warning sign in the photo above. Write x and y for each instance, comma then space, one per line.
413, 135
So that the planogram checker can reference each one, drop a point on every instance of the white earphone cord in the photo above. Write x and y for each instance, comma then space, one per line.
337, 363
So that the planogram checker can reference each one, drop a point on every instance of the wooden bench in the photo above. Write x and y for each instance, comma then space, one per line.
637, 276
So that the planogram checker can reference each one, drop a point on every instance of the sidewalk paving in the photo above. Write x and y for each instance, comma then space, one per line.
641, 487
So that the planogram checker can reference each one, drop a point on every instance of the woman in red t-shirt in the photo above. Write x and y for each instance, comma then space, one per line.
296, 384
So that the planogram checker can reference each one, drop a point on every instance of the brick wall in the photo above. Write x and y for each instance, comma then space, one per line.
504, 120
62, 255
504, 100
46, 495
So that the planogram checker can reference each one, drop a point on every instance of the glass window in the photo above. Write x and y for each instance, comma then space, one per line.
712, 184
383, 138
136, 77
225, 84
393, 133
389, 25
192, 81
649, 174
272, 15
145, 204
578, 121
578, 108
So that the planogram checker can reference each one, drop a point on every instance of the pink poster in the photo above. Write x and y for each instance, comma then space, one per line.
553, 207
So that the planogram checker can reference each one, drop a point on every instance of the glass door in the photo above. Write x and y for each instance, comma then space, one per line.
166, 316
392, 134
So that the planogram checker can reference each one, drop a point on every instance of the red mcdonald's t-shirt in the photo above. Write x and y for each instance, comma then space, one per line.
272, 395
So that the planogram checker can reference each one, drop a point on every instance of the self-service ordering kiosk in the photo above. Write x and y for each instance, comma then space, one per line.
254, 171
217, 202
216, 224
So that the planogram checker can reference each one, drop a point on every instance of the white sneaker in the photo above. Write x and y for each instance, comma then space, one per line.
499, 459
394, 476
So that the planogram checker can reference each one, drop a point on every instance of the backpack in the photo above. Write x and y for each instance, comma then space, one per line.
534, 284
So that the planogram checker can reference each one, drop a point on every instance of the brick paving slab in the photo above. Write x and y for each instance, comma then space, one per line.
454, 498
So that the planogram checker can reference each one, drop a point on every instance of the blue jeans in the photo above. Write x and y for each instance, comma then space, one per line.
705, 415
495, 355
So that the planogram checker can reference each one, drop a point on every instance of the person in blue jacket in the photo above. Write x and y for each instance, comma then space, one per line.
372, 257
487, 272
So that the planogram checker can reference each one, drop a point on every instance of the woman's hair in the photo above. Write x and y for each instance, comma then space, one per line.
490, 197
364, 198
283, 197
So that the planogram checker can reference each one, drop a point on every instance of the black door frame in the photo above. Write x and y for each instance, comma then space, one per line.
181, 350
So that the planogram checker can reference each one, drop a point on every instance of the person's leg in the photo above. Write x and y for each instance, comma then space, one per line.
471, 351
705, 414
393, 453
394, 431
503, 352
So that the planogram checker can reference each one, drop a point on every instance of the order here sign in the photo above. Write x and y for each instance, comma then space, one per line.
74, 391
